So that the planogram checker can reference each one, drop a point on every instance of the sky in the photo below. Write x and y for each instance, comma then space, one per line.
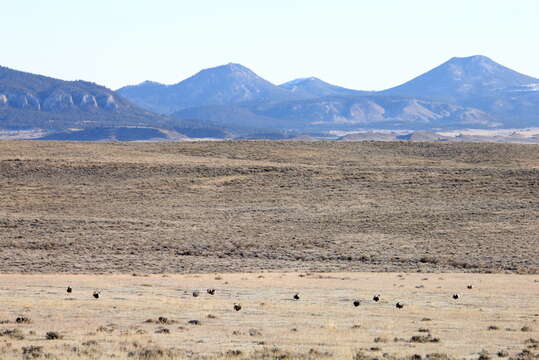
367, 45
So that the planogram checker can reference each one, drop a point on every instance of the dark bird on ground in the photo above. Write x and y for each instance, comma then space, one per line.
356, 303
211, 291
195, 293
69, 290
296, 296
376, 298
470, 287
22, 319
399, 305
455, 296
237, 307
96, 294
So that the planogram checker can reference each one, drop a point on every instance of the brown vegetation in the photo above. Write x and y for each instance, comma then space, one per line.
246, 206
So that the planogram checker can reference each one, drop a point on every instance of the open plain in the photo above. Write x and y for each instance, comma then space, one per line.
157, 317
260, 205
146, 224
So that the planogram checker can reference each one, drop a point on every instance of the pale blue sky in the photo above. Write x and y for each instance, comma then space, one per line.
368, 45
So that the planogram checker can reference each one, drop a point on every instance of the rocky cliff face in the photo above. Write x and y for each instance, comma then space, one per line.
28, 100
19, 100
59, 100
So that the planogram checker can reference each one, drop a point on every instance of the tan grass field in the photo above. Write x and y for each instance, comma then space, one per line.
323, 323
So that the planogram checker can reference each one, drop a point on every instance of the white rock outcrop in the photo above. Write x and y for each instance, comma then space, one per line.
58, 101
88, 101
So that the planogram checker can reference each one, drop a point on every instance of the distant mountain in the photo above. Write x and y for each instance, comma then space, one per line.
368, 136
423, 136
378, 136
313, 87
512, 108
48, 108
222, 85
466, 77
145, 95
35, 101
228, 115
433, 136
346, 113
461, 93
231, 101
479, 82
116, 134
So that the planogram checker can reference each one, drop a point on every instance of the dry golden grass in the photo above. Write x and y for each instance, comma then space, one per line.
282, 206
323, 321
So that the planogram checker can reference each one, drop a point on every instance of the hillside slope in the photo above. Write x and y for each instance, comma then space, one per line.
35, 101
221, 85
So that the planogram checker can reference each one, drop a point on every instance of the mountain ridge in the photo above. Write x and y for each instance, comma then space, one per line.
346, 113
475, 92
460, 77
232, 101
71, 110
312, 87
35, 100
220, 85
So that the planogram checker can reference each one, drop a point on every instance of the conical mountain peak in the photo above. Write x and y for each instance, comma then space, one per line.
227, 84
310, 87
228, 68
463, 77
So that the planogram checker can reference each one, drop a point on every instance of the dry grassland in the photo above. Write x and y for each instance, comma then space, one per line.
499, 315
241, 209
281, 206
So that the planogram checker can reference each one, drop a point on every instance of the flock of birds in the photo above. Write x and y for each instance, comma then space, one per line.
296, 297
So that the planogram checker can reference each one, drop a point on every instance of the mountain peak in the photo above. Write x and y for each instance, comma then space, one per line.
461, 77
226, 84
298, 81
149, 83
311, 87
232, 68
473, 58
476, 63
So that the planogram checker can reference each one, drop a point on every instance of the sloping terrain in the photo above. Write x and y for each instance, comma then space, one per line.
221, 85
345, 113
476, 81
35, 101
313, 87
257, 205
468, 92
527, 136
116, 134
35, 106
465, 77
377, 111
231, 101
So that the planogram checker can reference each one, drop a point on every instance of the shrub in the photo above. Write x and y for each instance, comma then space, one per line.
53, 335
12, 333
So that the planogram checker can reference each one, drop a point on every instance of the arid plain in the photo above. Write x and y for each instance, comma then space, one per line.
259, 221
